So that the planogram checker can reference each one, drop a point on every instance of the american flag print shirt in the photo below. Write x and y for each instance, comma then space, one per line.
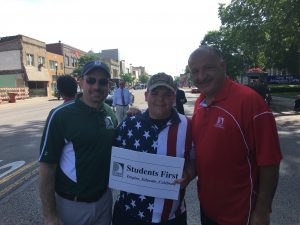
139, 133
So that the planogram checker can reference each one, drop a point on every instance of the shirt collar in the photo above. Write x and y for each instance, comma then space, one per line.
174, 117
87, 108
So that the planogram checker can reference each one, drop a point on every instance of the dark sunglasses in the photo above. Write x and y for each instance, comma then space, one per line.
92, 80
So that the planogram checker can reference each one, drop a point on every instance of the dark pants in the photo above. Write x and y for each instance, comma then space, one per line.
205, 220
119, 218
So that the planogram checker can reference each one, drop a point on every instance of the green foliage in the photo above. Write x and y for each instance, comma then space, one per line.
257, 33
233, 58
127, 77
284, 88
177, 80
143, 78
83, 60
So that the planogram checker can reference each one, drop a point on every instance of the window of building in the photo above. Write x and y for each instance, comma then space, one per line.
67, 60
42, 60
61, 66
52, 64
73, 61
30, 59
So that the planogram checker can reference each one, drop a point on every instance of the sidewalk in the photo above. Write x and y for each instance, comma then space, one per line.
21, 102
286, 102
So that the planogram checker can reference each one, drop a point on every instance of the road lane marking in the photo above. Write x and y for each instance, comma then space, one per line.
13, 166
14, 185
15, 173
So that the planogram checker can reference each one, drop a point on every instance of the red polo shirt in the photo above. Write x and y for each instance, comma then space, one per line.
233, 136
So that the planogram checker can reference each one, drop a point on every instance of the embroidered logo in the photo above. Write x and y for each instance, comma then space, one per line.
118, 169
108, 122
220, 122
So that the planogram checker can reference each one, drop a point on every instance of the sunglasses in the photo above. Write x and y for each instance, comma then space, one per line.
92, 80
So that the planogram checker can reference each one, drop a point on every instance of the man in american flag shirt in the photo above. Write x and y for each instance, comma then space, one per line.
159, 130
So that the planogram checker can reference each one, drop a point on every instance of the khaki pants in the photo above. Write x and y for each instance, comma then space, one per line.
121, 112
82, 213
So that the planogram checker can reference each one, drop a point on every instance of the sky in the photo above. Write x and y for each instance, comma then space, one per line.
157, 34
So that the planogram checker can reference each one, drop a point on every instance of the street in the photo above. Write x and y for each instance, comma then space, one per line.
21, 126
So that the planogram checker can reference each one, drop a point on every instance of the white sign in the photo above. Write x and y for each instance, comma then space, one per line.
145, 174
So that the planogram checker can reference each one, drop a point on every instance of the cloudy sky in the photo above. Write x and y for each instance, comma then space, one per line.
157, 34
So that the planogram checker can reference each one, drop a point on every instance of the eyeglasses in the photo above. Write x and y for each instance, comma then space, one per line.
92, 80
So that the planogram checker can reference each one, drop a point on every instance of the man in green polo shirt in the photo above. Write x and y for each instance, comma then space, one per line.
75, 154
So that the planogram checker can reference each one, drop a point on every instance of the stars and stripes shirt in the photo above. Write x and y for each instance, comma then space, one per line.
141, 134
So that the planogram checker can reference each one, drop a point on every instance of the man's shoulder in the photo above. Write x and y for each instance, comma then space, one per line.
242, 96
133, 120
65, 107
242, 91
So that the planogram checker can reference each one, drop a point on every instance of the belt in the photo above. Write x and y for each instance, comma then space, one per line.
122, 105
76, 198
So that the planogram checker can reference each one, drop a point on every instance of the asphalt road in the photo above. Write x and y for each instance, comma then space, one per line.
21, 125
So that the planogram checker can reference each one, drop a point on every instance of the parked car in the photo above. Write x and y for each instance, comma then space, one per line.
195, 90
110, 97
139, 86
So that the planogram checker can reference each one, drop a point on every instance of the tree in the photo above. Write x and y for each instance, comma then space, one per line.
267, 32
128, 78
143, 78
177, 80
230, 51
83, 60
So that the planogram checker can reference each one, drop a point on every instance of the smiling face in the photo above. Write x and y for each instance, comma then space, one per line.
160, 102
95, 88
207, 70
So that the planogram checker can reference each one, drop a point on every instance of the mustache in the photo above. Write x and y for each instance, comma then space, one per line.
206, 80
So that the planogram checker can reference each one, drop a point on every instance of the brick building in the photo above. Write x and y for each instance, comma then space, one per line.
23, 64
69, 53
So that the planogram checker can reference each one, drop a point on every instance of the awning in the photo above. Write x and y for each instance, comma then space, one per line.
34, 74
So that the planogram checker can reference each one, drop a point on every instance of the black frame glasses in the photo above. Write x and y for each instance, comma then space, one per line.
93, 80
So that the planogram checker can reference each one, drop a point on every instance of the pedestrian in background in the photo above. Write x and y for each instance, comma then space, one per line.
297, 104
75, 155
180, 100
121, 100
67, 87
159, 130
236, 143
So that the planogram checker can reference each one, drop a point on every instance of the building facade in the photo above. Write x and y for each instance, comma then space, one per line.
55, 65
23, 64
110, 54
69, 53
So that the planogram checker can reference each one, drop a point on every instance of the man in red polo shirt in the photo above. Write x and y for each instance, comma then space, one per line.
237, 146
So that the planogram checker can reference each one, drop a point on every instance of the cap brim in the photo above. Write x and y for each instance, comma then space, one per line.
95, 67
161, 85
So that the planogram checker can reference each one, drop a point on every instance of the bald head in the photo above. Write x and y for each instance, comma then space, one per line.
207, 70
208, 50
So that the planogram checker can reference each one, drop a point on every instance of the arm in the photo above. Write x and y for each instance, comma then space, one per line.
47, 193
268, 179
114, 100
189, 173
131, 98
184, 100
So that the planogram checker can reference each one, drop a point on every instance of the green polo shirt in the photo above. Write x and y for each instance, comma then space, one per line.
78, 138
